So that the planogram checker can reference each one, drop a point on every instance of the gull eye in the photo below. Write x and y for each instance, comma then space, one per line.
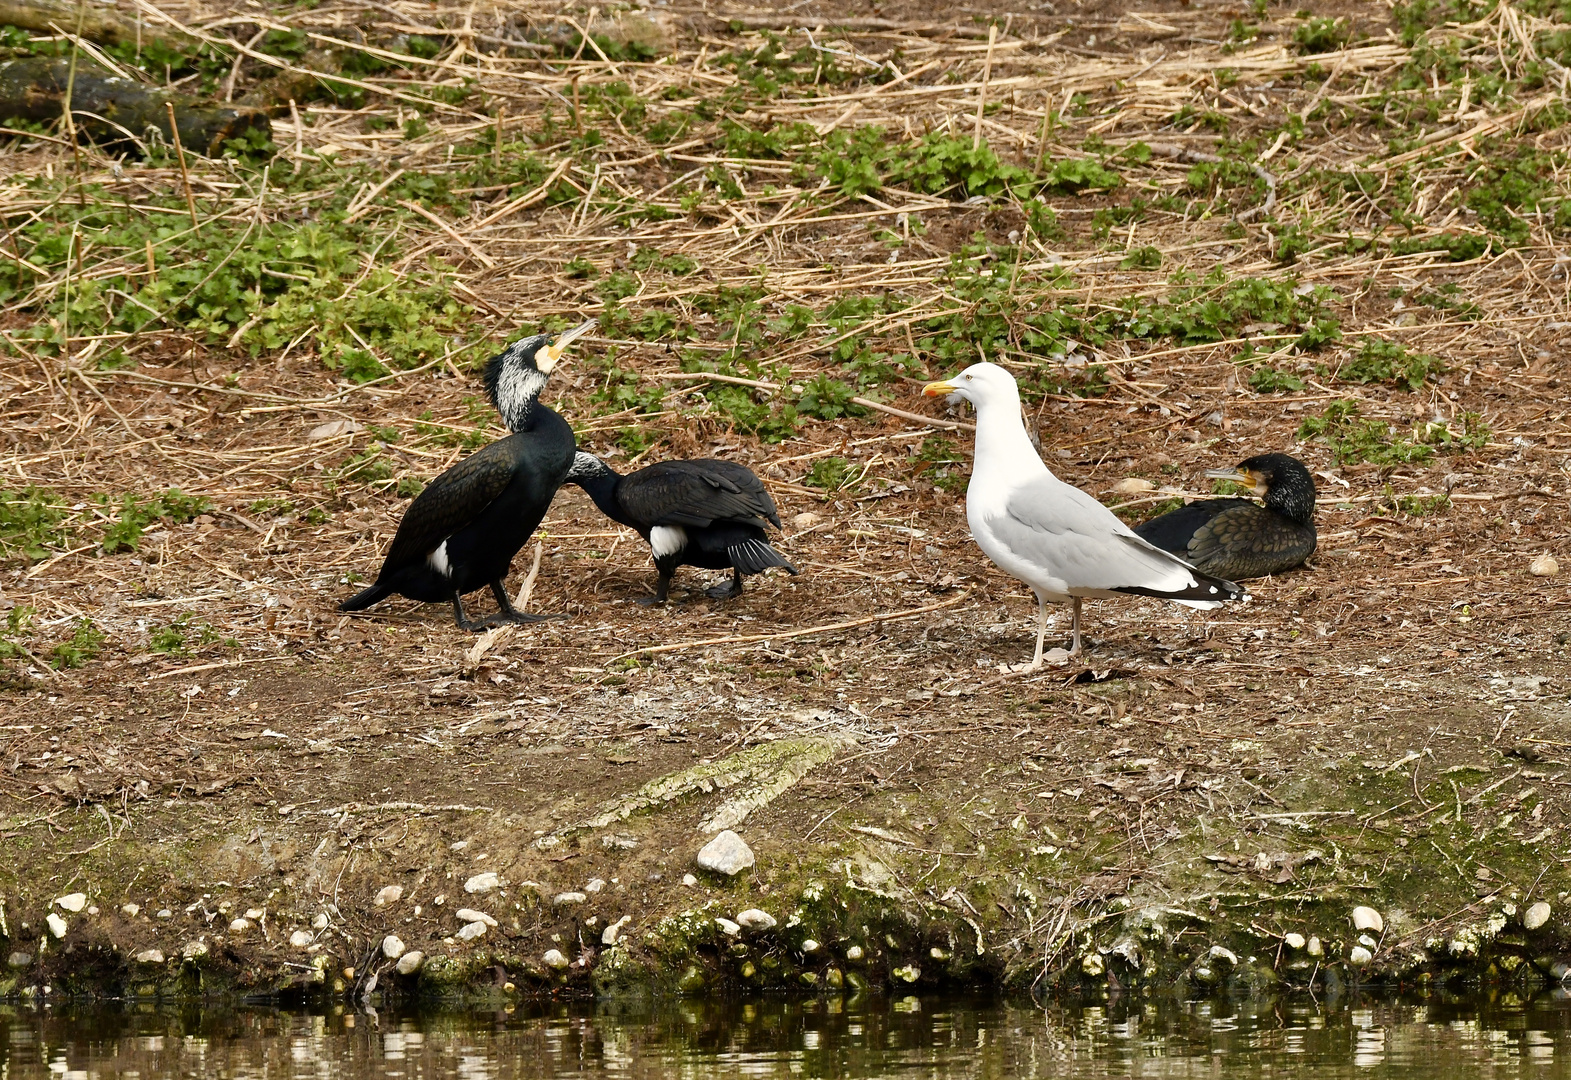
970, 377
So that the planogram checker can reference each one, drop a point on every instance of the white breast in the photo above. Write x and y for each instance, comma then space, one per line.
667, 540
437, 560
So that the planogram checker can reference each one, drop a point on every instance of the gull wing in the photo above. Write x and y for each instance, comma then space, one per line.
1069, 535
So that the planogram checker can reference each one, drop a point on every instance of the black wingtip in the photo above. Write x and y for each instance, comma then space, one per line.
363, 599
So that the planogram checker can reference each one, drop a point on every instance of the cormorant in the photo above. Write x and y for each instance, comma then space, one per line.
462, 531
705, 513
1050, 535
1236, 538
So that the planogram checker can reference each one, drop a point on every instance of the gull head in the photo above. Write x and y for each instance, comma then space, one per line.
981, 384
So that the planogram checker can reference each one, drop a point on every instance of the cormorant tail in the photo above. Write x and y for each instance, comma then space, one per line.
365, 598
755, 556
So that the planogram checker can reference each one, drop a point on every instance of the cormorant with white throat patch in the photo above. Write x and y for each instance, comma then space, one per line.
462, 531
706, 513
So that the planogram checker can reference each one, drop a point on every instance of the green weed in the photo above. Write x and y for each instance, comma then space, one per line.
827, 399
831, 474
83, 645
1264, 380
1322, 34
1473, 434
30, 523
938, 460
137, 514
1389, 362
1354, 439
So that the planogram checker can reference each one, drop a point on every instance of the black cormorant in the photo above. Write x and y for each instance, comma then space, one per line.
1236, 538
705, 513
462, 531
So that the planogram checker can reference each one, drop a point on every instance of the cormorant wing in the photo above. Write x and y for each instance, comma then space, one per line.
1173, 531
1251, 541
697, 494
451, 501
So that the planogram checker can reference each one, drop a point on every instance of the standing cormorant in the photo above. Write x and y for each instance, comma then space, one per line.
462, 531
705, 513
1236, 538
1050, 535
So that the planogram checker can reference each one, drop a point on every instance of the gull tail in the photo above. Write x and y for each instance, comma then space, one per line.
1205, 592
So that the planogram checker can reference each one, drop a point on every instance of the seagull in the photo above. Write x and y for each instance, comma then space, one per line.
1050, 535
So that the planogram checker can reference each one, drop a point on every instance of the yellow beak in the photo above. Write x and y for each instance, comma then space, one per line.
555, 350
1244, 478
938, 389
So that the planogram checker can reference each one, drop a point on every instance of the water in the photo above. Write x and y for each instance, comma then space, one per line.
1299, 1039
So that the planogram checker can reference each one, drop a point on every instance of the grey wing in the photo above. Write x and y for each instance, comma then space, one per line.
1077, 539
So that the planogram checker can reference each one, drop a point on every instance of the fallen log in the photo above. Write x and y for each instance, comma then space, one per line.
109, 109
99, 21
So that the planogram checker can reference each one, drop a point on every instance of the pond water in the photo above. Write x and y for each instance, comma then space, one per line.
1483, 1036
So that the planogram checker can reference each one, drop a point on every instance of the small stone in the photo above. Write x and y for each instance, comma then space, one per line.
689, 880
553, 958
255, 914
72, 902
1544, 566
805, 520
809, 946
834, 979
1314, 948
594, 885
131, 911
1133, 485
1220, 955
320, 921
754, 919
150, 956
1093, 964
614, 932
20, 959
1359, 956
392, 947
56, 925
482, 883
410, 962
300, 939
1293, 941
194, 950
239, 926
439, 899
938, 954
1366, 941
563, 898
92, 909
726, 854
691, 980
389, 894
165, 913
1535, 916
471, 931
469, 915
727, 927
619, 842
747, 970
854, 952
1367, 918
910, 973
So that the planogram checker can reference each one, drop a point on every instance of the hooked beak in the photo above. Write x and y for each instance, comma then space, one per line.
939, 389
553, 352
1250, 481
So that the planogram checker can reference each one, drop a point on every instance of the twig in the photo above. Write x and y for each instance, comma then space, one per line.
174, 135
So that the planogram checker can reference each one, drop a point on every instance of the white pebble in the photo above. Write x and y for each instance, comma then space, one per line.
1535, 916
300, 938
482, 882
1359, 956
1093, 964
1367, 918
392, 947
569, 898
726, 854
469, 915
553, 958
727, 927
131, 911
754, 919
1544, 566
240, 926
1293, 940
255, 914
1314, 948
689, 880
471, 931
613, 933
389, 894
320, 921
56, 925
410, 962
595, 885
809, 946
150, 956
194, 950
854, 952
72, 902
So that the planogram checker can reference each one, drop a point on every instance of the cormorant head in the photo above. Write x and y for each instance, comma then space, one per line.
1281, 481
981, 384
515, 376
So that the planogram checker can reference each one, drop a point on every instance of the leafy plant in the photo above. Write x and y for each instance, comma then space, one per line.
1265, 380
1322, 34
1474, 433
1354, 439
1388, 361
937, 460
30, 523
831, 474
137, 514
827, 399
83, 645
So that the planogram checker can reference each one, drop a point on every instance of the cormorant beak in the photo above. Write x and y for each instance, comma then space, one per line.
1244, 478
553, 352
939, 389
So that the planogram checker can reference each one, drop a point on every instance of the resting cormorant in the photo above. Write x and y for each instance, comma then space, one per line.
705, 513
462, 531
1236, 538
1049, 534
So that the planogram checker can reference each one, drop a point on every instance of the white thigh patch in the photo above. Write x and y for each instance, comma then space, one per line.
667, 540
437, 560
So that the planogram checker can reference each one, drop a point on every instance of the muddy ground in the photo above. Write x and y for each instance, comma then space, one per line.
1204, 797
